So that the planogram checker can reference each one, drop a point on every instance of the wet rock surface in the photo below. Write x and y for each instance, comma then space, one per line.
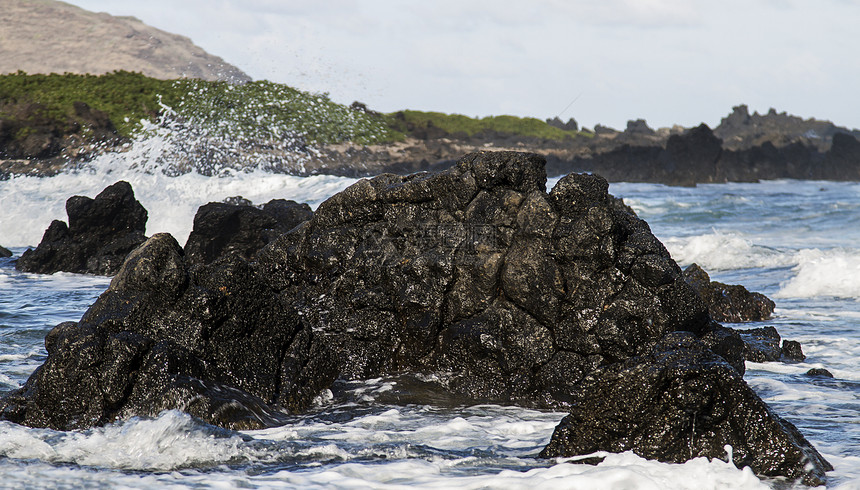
241, 228
99, 235
728, 303
475, 278
678, 402
215, 341
763, 345
5, 252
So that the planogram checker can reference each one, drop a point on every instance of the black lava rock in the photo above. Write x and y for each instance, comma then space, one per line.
819, 372
238, 227
727, 303
215, 341
679, 402
792, 351
100, 233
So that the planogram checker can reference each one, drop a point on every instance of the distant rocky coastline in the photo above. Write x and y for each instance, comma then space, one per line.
743, 148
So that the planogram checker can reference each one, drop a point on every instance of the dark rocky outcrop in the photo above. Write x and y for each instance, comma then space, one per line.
699, 156
475, 276
5, 252
819, 372
28, 132
728, 303
763, 345
697, 402
215, 341
100, 233
222, 228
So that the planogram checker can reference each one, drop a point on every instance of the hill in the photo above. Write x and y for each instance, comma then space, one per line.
47, 36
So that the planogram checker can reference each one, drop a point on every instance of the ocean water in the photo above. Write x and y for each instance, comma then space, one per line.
795, 241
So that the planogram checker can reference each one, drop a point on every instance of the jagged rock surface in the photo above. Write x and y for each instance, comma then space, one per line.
475, 276
697, 402
100, 233
221, 228
729, 303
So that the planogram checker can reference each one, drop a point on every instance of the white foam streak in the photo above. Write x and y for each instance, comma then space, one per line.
833, 273
724, 251
164, 443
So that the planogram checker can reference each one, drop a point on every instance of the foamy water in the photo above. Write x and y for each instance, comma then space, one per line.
795, 241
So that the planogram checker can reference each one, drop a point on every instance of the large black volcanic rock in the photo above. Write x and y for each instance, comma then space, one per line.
678, 402
222, 228
475, 278
100, 233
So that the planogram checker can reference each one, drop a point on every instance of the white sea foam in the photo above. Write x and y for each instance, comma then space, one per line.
724, 251
173, 441
824, 273
164, 443
30, 203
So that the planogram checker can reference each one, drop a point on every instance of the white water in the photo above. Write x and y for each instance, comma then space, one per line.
795, 241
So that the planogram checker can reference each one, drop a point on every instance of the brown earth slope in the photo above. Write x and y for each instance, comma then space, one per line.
47, 36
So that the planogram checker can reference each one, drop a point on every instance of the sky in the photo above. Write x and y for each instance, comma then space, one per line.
599, 61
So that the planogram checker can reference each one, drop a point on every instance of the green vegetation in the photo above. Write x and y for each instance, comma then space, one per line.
125, 97
258, 110
261, 111
456, 123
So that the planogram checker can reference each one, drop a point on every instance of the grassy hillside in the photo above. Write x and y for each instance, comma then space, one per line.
256, 110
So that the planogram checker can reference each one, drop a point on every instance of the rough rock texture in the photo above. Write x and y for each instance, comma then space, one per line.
475, 276
221, 228
678, 402
727, 303
100, 233
479, 274
214, 341
763, 345
5, 252
47, 36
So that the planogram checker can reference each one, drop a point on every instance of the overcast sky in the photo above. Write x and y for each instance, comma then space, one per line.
599, 61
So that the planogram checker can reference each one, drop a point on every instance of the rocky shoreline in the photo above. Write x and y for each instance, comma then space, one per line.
476, 278
743, 148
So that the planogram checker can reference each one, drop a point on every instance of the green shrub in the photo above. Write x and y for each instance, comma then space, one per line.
456, 123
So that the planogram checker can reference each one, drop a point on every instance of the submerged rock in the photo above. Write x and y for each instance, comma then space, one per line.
727, 303
238, 227
474, 277
100, 233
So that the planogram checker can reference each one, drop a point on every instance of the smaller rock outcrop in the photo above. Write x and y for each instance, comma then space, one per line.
728, 303
700, 404
819, 373
5, 252
100, 233
763, 345
222, 228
